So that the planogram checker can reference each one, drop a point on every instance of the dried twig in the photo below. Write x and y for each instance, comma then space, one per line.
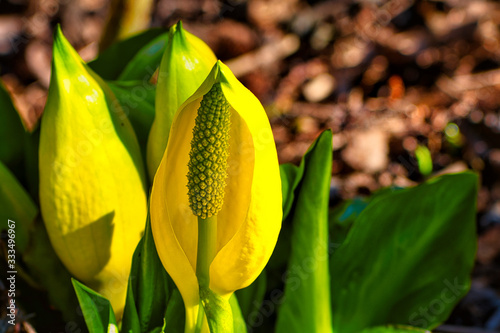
461, 83
264, 56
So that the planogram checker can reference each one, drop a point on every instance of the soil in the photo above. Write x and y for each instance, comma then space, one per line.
384, 76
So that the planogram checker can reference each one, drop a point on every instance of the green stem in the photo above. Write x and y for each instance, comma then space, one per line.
207, 243
207, 248
199, 320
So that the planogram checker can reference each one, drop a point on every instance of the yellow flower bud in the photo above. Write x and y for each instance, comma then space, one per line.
186, 62
248, 212
92, 181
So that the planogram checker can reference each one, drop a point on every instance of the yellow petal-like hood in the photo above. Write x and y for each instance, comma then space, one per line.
186, 62
250, 220
92, 181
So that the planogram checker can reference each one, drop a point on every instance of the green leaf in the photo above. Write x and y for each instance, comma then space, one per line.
114, 59
250, 298
18, 148
130, 321
342, 217
11, 132
137, 99
394, 329
47, 270
307, 304
146, 61
218, 311
31, 145
148, 289
97, 311
15, 205
239, 324
290, 179
408, 256
175, 315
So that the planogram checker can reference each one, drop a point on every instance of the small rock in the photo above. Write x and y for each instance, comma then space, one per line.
306, 125
319, 87
367, 150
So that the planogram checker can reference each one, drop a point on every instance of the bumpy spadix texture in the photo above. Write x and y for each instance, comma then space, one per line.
185, 64
208, 156
249, 219
92, 192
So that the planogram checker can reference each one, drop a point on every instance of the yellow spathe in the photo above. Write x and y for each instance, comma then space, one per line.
186, 62
92, 181
250, 219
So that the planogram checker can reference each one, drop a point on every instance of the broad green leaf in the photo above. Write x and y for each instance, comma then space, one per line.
394, 329
130, 320
342, 217
148, 289
15, 205
112, 61
291, 176
97, 311
137, 99
31, 145
146, 61
408, 256
279, 259
239, 324
218, 311
18, 148
250, 298
307, 304
11, 132
44, 267
175, 314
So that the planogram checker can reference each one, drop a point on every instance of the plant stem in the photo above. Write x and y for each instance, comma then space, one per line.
207, 247
207, 242
199, 320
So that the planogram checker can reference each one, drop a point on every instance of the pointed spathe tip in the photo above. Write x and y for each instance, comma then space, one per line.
220, 67
58, 35
217, 71
177, 31
223, 72
58, 30
61, 44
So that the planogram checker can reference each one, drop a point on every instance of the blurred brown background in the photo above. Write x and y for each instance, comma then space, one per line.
385, 76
